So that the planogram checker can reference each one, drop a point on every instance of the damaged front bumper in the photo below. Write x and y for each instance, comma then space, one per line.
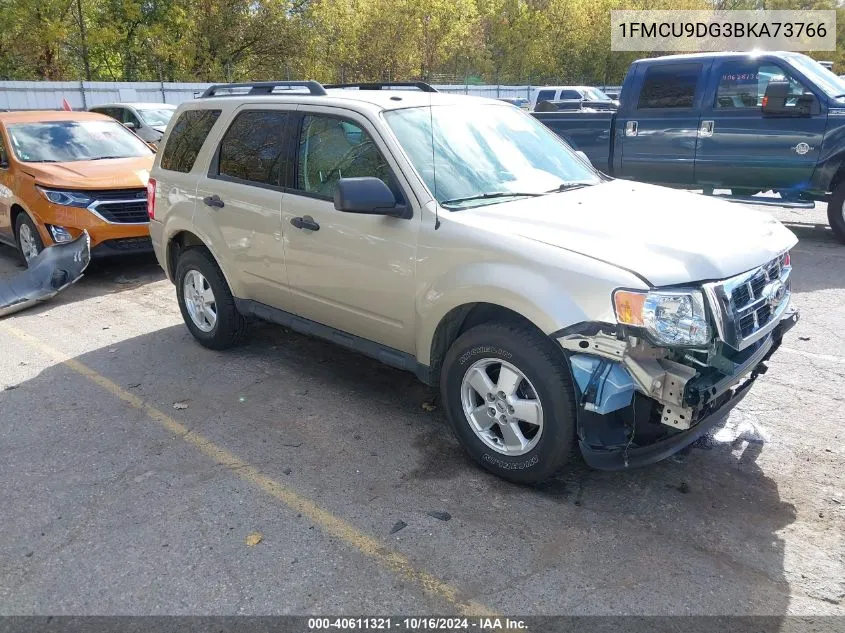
51, 271
638, 404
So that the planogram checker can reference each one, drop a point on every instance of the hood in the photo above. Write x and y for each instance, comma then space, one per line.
111, 173
665, 236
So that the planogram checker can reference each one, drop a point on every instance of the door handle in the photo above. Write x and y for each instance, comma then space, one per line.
631, 128
305, 222
214, 201
705, 129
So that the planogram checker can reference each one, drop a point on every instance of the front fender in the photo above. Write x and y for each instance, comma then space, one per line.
527, 292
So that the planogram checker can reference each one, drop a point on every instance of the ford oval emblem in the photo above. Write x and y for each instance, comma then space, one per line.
801, 149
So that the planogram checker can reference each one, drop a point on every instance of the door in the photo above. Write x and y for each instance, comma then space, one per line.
660, 130
745, 149
354, 272
241, 198
6, 195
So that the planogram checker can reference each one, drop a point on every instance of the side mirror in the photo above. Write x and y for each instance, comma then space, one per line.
367, 195
777, 97
130, 125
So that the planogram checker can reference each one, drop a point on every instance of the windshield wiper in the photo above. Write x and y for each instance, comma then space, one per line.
104, 157
488, 196
568, 186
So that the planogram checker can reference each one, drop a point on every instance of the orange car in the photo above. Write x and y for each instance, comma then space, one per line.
62, 172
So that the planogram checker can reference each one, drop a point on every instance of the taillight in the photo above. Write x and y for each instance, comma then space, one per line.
151, 198
787, 260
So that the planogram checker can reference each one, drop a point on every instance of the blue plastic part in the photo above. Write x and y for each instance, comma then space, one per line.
613, 385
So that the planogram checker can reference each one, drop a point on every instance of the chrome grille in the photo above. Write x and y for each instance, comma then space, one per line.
750, 305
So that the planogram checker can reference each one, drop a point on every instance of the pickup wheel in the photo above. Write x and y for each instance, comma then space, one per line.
836, 212
206, 302
509, 399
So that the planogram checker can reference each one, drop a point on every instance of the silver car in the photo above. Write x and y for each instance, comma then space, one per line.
147, 120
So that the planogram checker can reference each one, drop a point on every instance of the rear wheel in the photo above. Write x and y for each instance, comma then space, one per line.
206, 302
28, 239
836, 212
509, 399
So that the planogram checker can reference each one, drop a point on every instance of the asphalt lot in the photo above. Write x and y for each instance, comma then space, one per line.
115, 502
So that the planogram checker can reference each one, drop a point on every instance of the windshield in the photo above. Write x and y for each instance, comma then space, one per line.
156, 117
484, 150
64, 141
825, 79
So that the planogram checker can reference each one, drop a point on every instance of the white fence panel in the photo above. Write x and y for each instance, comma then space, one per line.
48, 95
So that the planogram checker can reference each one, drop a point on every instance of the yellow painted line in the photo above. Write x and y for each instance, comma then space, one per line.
335, 526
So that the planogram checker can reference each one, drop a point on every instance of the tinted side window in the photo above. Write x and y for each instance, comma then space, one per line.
743, 85
4, 158
546, 95
252, 148
331, 149
669, 86
570, 94
186, 139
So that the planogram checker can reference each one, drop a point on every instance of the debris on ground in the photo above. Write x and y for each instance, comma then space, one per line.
399, 525
51, 271
254, 538
684, 488
180, 405
803, 338
440, 516
428, 406
287, 471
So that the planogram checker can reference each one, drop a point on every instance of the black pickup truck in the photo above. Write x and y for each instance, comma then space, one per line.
724, 121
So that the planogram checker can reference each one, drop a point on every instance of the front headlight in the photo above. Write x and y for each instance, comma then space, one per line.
669, 317
66, 198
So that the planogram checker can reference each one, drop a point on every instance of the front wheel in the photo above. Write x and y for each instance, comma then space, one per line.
206, 302
836, 212
509, 399
29, 241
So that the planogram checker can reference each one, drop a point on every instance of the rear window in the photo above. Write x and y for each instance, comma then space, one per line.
253, 147
669, 86
186, 139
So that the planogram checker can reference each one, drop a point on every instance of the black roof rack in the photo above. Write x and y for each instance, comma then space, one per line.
419, 85
260, 88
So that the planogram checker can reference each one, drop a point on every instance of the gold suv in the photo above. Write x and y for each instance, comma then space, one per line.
460, 239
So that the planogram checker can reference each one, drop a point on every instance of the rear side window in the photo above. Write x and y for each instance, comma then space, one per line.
186, 139
570, 94
669, 86
252, 148
546, 95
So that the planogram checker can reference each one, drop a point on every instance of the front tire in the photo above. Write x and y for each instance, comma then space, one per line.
206, 302
836, 212
509, 399
27, 237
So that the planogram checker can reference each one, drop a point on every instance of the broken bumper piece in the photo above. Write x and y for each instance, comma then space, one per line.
637, 407
51, 271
